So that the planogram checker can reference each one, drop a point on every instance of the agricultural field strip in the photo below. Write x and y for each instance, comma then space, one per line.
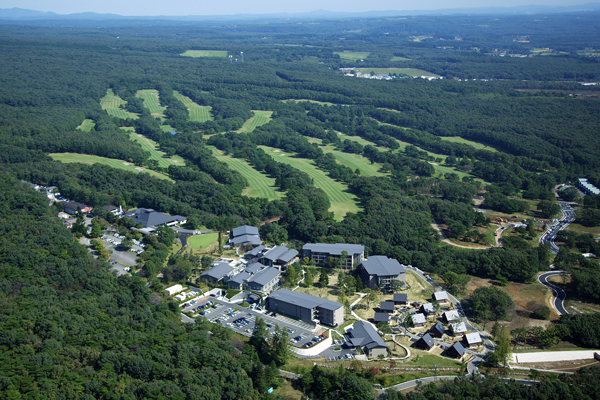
111, 162
259, 184
342, 202
260, 118
197, 113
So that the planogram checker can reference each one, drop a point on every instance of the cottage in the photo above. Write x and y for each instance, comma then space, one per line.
427, 309
365, 336
381, 317
451, 316
456, 350
425, 343
437, 330
441, 297
458, 328
387, 307
400, 299
418, 319
472, 340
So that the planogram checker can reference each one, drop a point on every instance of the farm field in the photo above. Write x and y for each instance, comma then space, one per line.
204, 53
260, 118
342, 202
406, 71
152, 147
352, 161
87, 125
352, 55
111, 103
151, 101
260, 184
197, 113
68, 158
458, 139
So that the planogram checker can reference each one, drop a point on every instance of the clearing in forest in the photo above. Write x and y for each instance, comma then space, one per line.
323, 103
111, 104
458, 139
151, 101
352, 55
68, 158
399, 71
87, 125
400, 59
260, 118
204, 53
197, 113
352, 161
342, 201
259, 184
151, 147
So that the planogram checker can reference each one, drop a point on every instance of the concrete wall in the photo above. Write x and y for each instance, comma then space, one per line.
316, 349
549, 356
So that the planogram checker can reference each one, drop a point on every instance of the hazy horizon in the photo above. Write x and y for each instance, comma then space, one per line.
232, 7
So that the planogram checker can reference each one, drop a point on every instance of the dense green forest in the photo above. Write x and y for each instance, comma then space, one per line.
70, 329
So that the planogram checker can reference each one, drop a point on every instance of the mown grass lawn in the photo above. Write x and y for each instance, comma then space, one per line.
259, 184
197, 113
352, 55
342, 201
152, 147
405, 71
111, 162
352, 161
111, 103
458, 139
151, 101
204, 53
199, 242
260, 118
87, 125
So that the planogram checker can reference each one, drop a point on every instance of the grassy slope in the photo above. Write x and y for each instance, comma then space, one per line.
197, 113
260, 118
342, 202
87, 125
205, 53
118, 164
111, 104
151, 146
151, 101
458, 139
260, 185
199, 242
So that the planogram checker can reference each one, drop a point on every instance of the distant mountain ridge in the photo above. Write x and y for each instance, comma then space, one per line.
25, 14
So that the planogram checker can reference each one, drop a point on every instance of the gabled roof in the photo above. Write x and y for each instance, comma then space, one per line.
265, 276
240, 278
459, 327
472, 338
382, 266
288, 256
334, 249
439, 328
254, 268
72, 205
148, 217
303, 300
441, 296
255, 251
428, 308
458, 348
381, 317
452, 315
275, 253
427, 339
418, 318
252, 239
218, 271
387, 306
363, 334
402, 297
244, 230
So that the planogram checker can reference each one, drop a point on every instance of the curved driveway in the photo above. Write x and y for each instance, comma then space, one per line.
552, 232
559, 301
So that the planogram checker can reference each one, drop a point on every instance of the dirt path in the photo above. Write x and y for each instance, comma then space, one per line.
448, 241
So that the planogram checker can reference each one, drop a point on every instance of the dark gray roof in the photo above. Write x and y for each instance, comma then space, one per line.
148, 217
218, 271
288, 256
255, 251
401, 297
303, 300
381, 317
239, 278
458, 348
252, 239
265, 276
275, 253
363, 334
438, 327
244, 230
109, 208
72, 205
254, 268
334, 249
383, 266
387, 305
427, 339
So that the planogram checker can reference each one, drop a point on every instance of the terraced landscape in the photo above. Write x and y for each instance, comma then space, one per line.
111, 103
87, 125
204, 53
259, 184
342, 202
152, 147
111, 162
151, 101
260, 118
197, 113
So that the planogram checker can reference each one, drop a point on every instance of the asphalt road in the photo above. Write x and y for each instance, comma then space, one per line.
550, 234
560, 294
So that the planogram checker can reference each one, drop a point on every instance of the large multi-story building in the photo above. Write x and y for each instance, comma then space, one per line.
321, 252
380, 271
305, 307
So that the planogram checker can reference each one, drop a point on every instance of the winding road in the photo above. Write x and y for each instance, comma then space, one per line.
552, 232
559, 301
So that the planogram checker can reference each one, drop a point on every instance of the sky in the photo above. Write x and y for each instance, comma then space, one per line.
231, 7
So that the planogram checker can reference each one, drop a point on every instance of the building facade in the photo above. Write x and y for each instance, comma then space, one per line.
347, 254
305, 307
